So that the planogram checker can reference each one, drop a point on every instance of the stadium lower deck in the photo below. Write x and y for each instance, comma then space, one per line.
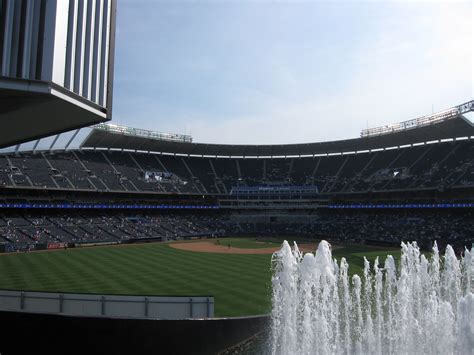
30, 231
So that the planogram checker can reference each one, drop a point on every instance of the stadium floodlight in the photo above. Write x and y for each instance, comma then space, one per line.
420, 121
143, 133
56, 66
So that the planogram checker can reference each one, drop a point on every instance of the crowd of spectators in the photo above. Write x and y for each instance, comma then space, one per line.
115, 227
446, 226
455, 227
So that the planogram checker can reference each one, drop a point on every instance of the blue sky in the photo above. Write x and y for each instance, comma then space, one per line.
286, 72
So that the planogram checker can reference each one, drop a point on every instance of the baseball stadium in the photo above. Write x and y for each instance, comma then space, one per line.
127, 240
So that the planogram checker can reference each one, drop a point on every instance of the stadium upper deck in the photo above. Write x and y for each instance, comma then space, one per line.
117, 160
443, 125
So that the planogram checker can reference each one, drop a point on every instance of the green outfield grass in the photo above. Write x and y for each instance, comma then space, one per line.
355, 256
240, 283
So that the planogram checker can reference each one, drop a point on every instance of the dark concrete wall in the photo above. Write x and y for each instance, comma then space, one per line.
57, 334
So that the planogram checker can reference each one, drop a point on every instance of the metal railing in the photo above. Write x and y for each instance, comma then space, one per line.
156, 307
144, 133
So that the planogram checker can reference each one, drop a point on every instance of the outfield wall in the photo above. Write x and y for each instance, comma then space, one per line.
94, 305
60, 334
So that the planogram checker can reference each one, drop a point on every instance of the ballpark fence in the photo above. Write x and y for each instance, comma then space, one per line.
123, 306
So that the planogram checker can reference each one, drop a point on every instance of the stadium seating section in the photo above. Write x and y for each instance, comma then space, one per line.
438, 165
430, 167
27, 229
24, 231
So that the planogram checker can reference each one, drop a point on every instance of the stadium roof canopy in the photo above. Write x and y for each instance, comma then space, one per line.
444, 125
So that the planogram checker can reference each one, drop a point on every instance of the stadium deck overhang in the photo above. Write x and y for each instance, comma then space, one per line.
56, 67
455, 127
35, 109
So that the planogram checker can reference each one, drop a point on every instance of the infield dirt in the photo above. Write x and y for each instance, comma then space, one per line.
211, 247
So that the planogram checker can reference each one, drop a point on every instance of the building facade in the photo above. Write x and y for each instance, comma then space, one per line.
56, 66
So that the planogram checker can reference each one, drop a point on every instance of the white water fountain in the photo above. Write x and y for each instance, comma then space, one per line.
424, 307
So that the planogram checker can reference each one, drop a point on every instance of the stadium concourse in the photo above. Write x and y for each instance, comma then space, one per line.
410, 181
